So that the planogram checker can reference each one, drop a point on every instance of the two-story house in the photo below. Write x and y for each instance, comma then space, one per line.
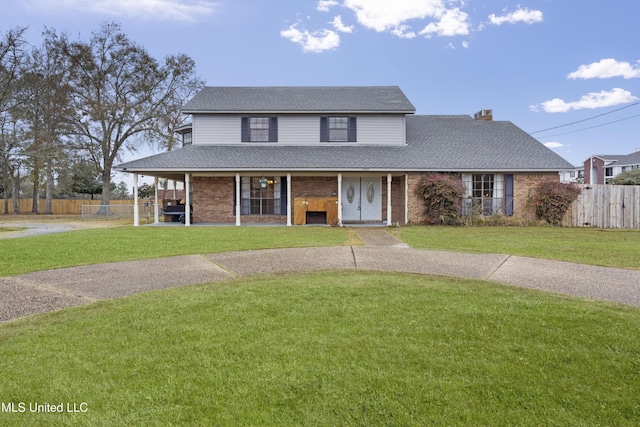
297, 155
600, 168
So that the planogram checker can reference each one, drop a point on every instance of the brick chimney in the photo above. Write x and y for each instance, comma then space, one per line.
484, 115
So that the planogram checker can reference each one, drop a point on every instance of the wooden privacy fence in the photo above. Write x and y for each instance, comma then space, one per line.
59, 207
605, 206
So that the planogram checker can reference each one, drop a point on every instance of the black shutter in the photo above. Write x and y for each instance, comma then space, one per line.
283, 195
352, 137
246, 133
324, 130
508, 194
273, 129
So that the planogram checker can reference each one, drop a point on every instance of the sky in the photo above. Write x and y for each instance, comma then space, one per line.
565, 71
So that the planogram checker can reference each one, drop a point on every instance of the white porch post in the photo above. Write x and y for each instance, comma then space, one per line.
340, 199
389, 200
187, 200
406, 198
136, 208
238, 198
156, 213
289, 201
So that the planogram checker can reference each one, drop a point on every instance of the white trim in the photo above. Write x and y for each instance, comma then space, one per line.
289, 200
136, 208
389, 216
187, 200
156, 210
238, 197
340, 199
406, 198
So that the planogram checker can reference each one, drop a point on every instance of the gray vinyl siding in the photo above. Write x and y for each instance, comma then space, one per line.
303, 129
387, 129
212, 129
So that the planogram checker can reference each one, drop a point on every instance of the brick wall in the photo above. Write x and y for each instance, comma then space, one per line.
523, 185
213, 200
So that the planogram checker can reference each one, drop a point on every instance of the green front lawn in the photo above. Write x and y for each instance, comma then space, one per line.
102, 245
327, 349
612, 248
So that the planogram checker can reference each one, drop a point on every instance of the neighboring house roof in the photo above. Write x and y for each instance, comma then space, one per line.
434, 143
336, 99
618, 159
629, 159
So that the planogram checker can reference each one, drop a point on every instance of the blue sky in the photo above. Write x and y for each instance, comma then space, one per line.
540, 64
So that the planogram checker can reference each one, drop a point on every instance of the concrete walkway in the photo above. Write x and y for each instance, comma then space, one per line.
44, 291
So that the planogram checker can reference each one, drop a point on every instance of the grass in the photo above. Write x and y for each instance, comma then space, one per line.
612, 248
102, 245
331, 348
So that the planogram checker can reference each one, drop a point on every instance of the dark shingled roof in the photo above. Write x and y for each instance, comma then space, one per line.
434, 143
337, 99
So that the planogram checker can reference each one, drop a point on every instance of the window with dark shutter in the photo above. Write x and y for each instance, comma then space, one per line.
259, 129
338, 129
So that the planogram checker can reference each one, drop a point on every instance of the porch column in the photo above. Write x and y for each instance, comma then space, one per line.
406, 198
340, 199
156, 209
136, 208
389, 200
289, 199
187, 200
238, 197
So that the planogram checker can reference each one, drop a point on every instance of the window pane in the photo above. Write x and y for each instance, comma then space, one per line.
259, 129
338, 129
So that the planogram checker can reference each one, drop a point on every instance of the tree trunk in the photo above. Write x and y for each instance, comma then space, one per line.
48, 189
35, 205
106, 190
15, 192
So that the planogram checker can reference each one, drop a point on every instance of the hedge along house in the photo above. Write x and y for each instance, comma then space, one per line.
340, 155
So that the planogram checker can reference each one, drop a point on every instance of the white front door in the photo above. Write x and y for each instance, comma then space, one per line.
361, 199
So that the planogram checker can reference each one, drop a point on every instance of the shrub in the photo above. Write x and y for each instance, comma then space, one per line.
442, 196
631, 177
551, 200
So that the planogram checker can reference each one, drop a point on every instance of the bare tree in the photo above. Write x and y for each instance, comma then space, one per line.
12, 60
47, 113
120, 92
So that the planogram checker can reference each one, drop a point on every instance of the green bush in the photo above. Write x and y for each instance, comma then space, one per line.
442, 196
631, 177
551, 200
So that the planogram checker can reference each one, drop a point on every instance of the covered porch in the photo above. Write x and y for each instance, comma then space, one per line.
289, 198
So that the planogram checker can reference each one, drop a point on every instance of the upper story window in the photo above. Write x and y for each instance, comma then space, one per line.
259, 129
186, 138
608, 172
338, 129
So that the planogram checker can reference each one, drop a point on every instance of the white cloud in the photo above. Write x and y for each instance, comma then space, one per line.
521, 15
339, 26
591, 100
380, 15
403, 32
606, 68
553, 144
174, 10
317, 41
325, 5
452, 23
465, 44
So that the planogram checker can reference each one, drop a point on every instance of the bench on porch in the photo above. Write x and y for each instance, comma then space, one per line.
175, 213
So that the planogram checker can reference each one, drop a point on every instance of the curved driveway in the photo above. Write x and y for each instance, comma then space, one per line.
54, 289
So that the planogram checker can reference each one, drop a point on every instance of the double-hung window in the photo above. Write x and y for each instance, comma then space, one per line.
259, 129
262, 195
338, 129
488, 194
